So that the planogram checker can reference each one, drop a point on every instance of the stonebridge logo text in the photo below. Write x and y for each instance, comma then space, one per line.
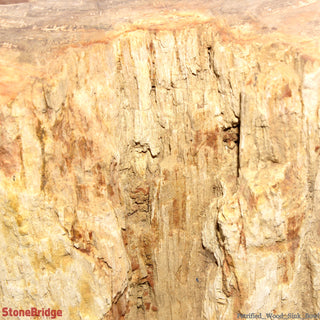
32, 312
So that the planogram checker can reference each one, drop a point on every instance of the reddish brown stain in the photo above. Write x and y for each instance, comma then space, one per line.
6, 161
211, 139
62, 169
289, 181
252, 201
82, 193
243, 241
110, 190
228, 37
283, 263
166, 175
119, 309
10, 155
147, 305
85, 147
76, 235
249, 81
293, 246
134, 264
293, 228
86, 250
178, 213
306, 58
286, 92
126, 234
63, 135
79, 237
229, 261
175, 213
101, 181
206, 139
294, 225
150, 277
145, 191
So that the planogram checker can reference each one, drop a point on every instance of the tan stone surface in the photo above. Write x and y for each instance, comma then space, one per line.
160, 160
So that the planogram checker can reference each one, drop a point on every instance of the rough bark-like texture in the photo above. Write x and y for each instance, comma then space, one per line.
161, 168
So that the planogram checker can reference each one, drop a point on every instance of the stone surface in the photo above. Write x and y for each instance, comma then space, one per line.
160, 160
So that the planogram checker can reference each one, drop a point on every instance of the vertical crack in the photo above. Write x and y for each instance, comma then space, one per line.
241, 98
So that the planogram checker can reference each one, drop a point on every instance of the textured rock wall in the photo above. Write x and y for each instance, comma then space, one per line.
166, 174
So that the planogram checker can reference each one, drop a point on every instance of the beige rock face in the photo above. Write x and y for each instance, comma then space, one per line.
165, 169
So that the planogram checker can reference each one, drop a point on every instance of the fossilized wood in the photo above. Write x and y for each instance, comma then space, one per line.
160, 160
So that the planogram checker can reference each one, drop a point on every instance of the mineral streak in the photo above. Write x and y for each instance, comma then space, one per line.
160, 160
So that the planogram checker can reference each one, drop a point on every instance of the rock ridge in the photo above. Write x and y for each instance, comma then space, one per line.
166, 173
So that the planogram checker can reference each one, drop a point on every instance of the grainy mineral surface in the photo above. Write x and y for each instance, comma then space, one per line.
160, 159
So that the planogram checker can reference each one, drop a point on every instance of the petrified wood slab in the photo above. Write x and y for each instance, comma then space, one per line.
159, 160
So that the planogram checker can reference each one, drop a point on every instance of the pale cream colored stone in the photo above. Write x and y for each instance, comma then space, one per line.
166, 168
